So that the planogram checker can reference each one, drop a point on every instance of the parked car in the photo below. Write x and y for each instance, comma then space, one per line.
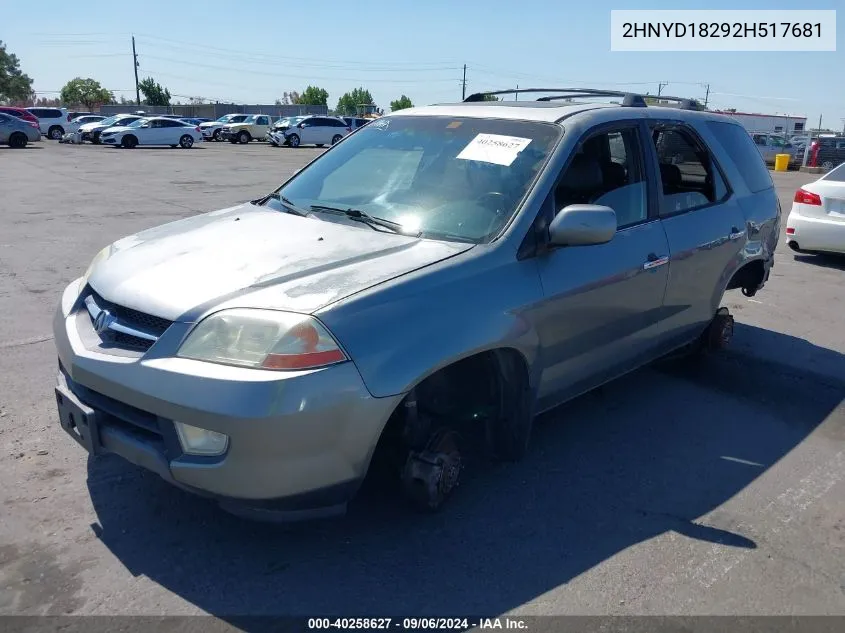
91, 131
73, 114
16, 132
153, 131
827, 152
316, 130
443, 274
20, 113
275, 136
211, 129
770, 145
254, 126
52, 121
816, 222
84, 119
355, 122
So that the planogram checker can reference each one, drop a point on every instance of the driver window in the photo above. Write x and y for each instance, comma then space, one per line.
607, 170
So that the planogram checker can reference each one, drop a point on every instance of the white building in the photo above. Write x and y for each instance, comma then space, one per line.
772, 123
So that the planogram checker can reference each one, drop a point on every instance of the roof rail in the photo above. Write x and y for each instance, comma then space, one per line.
629, 99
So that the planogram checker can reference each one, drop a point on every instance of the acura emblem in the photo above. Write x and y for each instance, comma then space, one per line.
103, 320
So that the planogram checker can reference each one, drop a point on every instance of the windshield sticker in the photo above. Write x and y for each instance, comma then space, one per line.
453, 125
494, 148
380, 124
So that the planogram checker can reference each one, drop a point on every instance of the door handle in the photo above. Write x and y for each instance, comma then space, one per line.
736, 233
654, 261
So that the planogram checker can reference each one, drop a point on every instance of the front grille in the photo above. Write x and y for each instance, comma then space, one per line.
128, 317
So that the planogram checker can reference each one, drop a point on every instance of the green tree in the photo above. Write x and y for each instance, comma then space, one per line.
313, 95
14, 84
348, 103
87, 92
401, 103
154, 93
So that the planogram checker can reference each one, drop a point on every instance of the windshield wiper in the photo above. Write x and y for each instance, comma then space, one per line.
290, 206
361, 216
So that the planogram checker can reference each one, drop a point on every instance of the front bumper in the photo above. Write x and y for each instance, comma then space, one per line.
300, 443
109, 140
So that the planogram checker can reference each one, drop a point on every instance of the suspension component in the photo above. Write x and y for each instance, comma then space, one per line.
720, 331
430, 475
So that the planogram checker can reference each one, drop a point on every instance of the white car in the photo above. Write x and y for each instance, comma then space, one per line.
153, 131
52, 121
211, 129
816, 222
316, 130
79, 121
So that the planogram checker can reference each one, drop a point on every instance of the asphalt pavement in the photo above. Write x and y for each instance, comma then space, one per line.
708, 489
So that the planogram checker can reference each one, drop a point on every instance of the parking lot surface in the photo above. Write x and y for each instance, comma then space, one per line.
711, 489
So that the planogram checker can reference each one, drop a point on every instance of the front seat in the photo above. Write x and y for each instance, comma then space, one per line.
581, 184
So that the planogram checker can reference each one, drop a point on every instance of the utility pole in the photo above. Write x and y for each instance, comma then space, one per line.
516, 94
706, 95
464, 84
661, 86
135, 65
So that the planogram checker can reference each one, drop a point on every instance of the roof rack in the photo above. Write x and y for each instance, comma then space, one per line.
629, 99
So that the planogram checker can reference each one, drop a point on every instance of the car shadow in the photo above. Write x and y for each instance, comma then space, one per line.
824, 260
648, 454
29, 146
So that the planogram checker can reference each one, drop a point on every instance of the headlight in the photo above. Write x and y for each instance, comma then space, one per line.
262, 339
99, 257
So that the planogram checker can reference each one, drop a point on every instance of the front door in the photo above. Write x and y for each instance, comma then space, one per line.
601, 314
704, 224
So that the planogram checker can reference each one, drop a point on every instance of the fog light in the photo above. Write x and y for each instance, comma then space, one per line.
197, 441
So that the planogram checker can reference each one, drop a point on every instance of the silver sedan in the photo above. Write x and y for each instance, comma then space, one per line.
16, 132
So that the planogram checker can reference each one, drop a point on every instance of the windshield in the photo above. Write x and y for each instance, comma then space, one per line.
224, 118
444, 177
137, 123
109, 120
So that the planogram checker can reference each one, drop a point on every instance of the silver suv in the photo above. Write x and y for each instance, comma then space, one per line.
422, 289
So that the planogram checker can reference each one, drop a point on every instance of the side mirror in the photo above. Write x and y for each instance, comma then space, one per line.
583, 225
145, 125
301, 125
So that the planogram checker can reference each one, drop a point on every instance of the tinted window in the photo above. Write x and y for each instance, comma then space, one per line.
745, 156
607, 170
263, 120
688, 177
46, 113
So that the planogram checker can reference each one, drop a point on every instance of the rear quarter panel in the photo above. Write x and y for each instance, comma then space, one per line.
761, 209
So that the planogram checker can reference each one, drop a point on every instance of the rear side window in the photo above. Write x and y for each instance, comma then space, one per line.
46, 113
688, 175
739, 146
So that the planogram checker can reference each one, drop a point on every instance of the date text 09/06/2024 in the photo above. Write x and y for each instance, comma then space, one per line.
417, 624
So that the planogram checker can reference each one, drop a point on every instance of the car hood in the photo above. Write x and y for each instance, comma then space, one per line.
211, 123
251, 256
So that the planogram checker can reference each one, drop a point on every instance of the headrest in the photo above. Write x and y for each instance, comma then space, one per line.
670, 174
584, 173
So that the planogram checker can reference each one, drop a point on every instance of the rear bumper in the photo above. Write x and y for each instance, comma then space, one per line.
815, 234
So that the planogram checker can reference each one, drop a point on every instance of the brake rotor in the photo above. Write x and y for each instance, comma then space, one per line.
431, 475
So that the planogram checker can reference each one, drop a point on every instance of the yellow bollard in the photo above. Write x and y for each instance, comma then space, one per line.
782, 162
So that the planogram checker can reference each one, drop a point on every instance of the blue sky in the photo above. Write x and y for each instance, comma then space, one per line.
253, 51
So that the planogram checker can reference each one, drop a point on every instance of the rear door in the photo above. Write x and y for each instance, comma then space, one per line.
601, 314
262, 125
704, 224
308, 132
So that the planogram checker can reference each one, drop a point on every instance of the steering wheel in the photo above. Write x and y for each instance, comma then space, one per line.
496, 197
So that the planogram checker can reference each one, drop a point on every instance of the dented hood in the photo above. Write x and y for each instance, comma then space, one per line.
255, 256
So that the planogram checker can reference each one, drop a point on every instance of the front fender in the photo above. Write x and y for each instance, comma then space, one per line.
399, 336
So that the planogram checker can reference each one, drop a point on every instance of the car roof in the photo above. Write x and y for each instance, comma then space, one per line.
551, 111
